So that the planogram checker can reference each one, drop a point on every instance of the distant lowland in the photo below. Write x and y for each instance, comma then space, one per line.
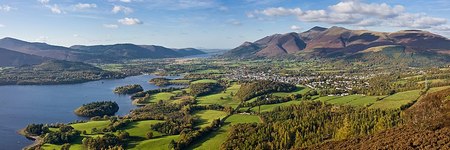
411, 47
14, 52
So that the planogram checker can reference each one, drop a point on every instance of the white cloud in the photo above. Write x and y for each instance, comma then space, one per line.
420, 21
295, 28
117, 8
279, 11
357, 7
356, 13
130, 21
44, 1
5, 8
81, 6
442, 28
55, 9
1, 25
126, 1
111, 26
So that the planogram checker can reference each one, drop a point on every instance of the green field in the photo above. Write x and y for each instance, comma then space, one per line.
140, 128
180, 81
300, 90
215, 71
164, 96
161, 143
266, 108
207, 117
223, 98
87, 126
214, 140
397, 100
204, 81
431, 90
354, 100
433, 81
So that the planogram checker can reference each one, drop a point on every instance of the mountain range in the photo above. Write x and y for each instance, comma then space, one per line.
14, 52
342, 43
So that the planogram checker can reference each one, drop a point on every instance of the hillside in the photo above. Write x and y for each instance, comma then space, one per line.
96, 53
10, 58
426, 126
342, 43
42, 49
55, 72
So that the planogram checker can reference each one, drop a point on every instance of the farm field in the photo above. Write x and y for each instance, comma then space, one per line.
224, 98
136, 129
140, 128
214, 140
397, 100
266, 108
207, 117
161, 143
204, 81
431, 90
354, 100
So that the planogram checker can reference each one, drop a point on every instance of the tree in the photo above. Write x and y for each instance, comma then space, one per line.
124, 135
149, 135
345, 131
65, 146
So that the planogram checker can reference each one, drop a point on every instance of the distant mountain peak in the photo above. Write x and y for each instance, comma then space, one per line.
317, 28
335, 42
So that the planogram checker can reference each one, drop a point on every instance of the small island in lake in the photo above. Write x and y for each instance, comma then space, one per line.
97, 109
160, 81
128, 89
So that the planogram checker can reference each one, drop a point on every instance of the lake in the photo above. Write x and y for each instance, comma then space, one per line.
23, 105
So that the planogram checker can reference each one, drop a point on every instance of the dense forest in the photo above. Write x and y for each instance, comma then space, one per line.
257, 88
97, 109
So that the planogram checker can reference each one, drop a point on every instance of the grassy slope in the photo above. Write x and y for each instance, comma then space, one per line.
155, 144
207, 116
265, 108
136, 129
355, 100
140, 128
204, 81
214, 140
397, 100
437, 89
226, 95
89, 125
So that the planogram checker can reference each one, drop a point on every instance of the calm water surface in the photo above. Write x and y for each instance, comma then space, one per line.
22, 105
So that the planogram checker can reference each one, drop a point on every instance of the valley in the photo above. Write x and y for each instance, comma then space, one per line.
286, 91
185, 118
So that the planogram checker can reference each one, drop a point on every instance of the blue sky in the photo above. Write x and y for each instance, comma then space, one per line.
207, 23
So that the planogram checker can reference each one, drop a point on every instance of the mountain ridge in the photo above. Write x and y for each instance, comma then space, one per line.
339, 42
95, 53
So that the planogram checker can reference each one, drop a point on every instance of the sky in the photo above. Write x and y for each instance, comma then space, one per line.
208, 24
